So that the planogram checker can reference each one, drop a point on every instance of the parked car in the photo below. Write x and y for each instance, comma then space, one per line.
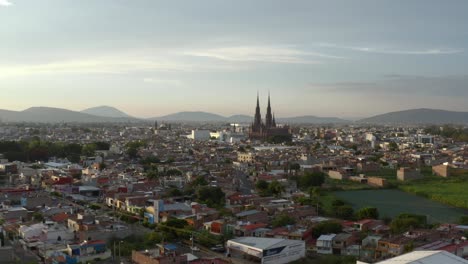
218, 248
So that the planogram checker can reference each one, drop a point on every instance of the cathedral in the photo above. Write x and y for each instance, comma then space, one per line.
268, 131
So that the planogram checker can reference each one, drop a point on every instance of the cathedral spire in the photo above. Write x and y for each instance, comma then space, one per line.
269, 117
273, 124
258, 116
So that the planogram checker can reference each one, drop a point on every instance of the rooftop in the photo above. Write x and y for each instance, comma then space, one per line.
426, 257
263, 243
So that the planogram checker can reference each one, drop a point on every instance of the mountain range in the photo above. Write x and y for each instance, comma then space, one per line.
107, 114
106, 111
419, 116
210, 117
58, 115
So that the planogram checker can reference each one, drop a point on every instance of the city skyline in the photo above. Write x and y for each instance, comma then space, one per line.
322, 58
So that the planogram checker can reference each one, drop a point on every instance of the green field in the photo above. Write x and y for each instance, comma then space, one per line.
452, 191
391, 202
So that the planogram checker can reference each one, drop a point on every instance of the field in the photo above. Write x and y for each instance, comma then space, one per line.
452, 191
392, 202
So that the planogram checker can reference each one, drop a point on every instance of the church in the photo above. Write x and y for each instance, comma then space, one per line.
268, 131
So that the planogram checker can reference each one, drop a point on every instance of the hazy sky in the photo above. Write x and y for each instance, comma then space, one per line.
149, 58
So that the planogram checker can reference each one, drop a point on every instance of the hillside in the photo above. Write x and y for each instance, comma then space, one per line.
419, 116
56, 115
106, 111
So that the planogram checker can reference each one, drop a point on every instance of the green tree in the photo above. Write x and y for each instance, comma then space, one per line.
199, 181
262, 185
311, 180
283, 220
392, 146
344, 212
367, 213
211, 196
463, 220
88, 150
326, 227
174, 192
276, 188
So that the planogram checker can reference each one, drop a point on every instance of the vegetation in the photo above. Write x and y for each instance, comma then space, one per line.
283, 220
451, 191
367, 213
211, 196
326, 227
309, 180
267, 189
392, 202
405, 222
38, 150
457, 133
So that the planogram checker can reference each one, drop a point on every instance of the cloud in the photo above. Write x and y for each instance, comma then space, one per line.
402, 85
5, 3
163, 82
107, 65
430, 51
272, 54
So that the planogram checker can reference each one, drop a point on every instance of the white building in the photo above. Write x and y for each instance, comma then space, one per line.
267, 250
325, 244
424, 257
425, 139
202, 135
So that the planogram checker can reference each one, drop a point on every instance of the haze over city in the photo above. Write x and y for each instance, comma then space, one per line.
150, 58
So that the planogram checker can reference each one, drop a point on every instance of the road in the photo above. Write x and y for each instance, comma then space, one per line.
245, 185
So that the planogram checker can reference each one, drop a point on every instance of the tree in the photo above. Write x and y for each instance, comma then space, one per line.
276, 188
310, 180
344, 212
463, 220
367, 213
392, 146
199, 181
132, 152
174, 192
211, 196
88, 150
405, 222
283, 219
262, 185
38, 216
337, 203
326, 227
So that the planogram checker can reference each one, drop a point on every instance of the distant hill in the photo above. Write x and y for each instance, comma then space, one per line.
419, 116
56, 115
191, 117
311, 120
209, 117
240, 119
106, 111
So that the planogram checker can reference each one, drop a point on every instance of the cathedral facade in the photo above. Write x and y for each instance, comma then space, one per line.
268, 130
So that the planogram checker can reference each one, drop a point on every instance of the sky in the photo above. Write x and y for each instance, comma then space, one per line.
150, 58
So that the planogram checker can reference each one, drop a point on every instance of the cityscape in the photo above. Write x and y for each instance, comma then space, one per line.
217, 132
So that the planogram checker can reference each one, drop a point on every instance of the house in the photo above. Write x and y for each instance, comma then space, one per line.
392, 247
405, 173
324, 244
252, 230
341, 242
369, 247
253, 216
